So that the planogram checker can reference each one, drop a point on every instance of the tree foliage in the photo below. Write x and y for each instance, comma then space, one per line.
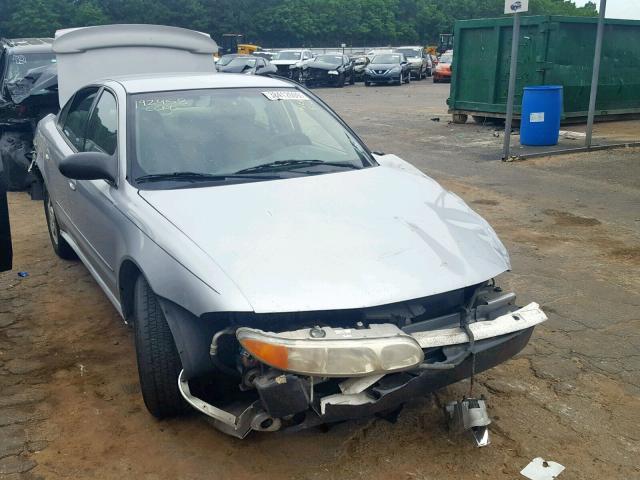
273, 23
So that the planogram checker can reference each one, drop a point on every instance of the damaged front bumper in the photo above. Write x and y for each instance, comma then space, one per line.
293, 399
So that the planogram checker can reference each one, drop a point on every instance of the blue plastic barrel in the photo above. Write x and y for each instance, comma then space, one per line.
541, 112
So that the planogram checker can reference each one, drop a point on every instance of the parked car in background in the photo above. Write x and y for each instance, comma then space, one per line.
268, 54
334, 69
249, 65
387, 68
443, 69
28, 92
290, 62
431, 65
225, 59
360, 63
418, 61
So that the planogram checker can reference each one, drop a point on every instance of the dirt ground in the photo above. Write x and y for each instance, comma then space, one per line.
70, 405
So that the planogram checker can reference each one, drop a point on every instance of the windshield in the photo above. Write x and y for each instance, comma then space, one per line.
387, 59
409, 52
239, 62
287, 56
20, 64
446, 59
226, 131
329, 58
226, 59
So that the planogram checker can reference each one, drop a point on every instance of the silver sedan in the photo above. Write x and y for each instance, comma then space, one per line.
276, 272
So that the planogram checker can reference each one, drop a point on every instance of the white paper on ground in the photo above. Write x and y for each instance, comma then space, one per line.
540, 469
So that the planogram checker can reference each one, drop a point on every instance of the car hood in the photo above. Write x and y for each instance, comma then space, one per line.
342, 240
324, 65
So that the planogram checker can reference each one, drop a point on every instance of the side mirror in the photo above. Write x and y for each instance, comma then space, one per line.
89, 166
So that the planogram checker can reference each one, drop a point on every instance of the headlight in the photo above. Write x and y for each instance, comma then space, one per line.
333, 72
329, 352
395, 69
368, 70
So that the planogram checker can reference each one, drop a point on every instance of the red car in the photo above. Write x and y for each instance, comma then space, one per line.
442, 72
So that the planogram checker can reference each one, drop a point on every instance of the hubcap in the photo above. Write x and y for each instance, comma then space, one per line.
53, 224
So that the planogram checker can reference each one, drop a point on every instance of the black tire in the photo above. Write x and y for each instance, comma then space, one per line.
341, 80
367, 84
408, 78
400, 79
299, 76
59, 244
352, 80
158, 360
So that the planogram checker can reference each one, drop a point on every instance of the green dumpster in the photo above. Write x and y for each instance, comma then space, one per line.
553, 50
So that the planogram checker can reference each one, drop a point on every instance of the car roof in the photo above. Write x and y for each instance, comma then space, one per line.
195, 81
28, 45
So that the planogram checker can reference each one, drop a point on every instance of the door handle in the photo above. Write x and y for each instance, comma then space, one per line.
72, 185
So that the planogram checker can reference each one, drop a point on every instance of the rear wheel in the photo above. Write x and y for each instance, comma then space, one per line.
158, 360
59, 244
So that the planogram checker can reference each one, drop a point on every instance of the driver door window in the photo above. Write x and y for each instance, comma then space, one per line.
77, 117
102, 131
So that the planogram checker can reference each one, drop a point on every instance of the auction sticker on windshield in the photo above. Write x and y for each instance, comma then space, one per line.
285, 95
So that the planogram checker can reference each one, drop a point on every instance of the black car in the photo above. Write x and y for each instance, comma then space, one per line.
249, 65
388, 68
28, 92
334, 69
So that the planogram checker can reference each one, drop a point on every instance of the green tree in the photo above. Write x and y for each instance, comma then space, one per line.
276, 23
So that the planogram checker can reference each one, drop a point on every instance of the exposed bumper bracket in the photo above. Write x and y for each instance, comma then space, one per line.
236, 425
470, 414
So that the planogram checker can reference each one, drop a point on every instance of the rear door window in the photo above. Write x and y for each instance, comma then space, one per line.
77, 117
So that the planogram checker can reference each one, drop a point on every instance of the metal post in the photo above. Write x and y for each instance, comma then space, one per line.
596, 72
512, 85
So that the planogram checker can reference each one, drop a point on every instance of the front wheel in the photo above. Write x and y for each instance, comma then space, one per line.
59, 244
352, 79
401, 79
367, 84
158, 360
408, 78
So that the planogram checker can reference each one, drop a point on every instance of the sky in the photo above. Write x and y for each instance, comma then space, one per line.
629, 9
